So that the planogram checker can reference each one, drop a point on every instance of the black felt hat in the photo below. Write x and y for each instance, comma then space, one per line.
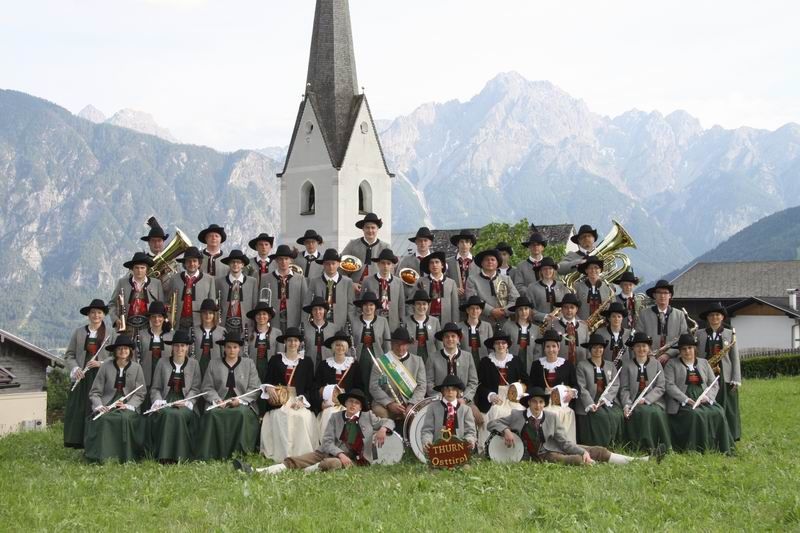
591, 260
290, 333
261, 237
686, 339
316, 301
549, 335
309, 234
450, 327
425, 261
261, 306
569, 298
522, 301
422, 233
472, 300
639, 337
716, 307
463, 235
139, 258
330, 255
614, 307
192, 252
369, 217
546, 261
155, 230
586, 228
629, 276
499, 336
231, 336
180, 337
387, 255
338, 336
96, 303
356, 394
283, 250
121, 340
212, 228
535, 238
450, 380
419, 296
366, 297
594, 340
492, 252
660, 284
236, 254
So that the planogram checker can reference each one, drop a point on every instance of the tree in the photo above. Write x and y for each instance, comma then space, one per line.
514, 235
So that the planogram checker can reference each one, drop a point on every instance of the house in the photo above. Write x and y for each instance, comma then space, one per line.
23, 384
761, 297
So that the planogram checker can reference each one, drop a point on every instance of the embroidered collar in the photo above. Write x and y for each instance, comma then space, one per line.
289, 363
504, 362
341, 367
547, 365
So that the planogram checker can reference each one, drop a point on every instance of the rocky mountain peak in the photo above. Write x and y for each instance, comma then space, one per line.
91, 113
141, 122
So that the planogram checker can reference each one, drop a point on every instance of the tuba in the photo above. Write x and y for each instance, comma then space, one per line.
164, 263
609, 251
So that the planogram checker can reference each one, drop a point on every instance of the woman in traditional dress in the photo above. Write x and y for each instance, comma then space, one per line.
546, 291
120, 431
83, 346
289, 427
421, 326
172, 430
646, 425
522, 332
474, 330
229, 427
700, 427
207, 336
318, 329
370, 333
557, 376
151, 344
337, 374
615, 333
599, 416
712, 341
262, 344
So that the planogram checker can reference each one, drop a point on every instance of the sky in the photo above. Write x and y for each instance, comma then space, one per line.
230, 73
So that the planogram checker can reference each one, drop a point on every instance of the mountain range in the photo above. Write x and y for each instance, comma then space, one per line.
128, 118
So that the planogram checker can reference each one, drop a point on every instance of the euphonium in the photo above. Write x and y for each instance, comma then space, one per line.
164, 263
609, 251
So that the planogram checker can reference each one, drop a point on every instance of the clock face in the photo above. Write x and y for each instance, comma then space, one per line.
364, 127
309, 127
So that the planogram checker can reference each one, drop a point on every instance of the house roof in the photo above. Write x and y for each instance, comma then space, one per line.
54, 359
763, 279
791, 313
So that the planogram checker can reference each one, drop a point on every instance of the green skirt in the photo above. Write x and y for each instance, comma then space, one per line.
119, 434
647, 428
77, 410
600, 428
171, 434
226, 431
729, 400
701, 429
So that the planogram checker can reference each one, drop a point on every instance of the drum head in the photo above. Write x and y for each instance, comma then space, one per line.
415, 433
411, 415
391, 452
498, 452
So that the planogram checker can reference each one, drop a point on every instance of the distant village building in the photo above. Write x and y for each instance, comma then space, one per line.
335, 171
23, 384
761, 297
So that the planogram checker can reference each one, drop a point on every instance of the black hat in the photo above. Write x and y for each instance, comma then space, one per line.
591, 260
499, 336
504, 247
231, 336
472, 300
401, 335
422, 233
283, 250
594, 340
660, 284
638, 337
236, 254
569, 298
208, 305
366, 297
628, 275
121, 340
330, 255
486, 253
310, 234
369, 217
716, 307
155, 230
463, 235
522, 301
450, 327
358, 395
97, 303
290, 333
191, 252
549, 335
387, 255
586, 228
157, 308
546, 261
450, 380
316, 301
686, 339
261, 306
423, 263
261, 237
615, 307
180, 337
139, 258
535, 238
419, 296
212, 228
338, 336
534, 392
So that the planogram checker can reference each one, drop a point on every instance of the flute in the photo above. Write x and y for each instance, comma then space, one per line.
705, 393
602, 396
652, 381
229, 400
86, 368
170, 404
111, 407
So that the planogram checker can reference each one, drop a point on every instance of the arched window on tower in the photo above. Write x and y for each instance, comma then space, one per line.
307, 199
364, 198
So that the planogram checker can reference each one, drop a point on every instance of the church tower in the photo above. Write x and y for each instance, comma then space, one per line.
335, 171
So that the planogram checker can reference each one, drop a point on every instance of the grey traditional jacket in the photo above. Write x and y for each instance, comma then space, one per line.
310, 333
435, 418
248, 291
731, 367
555, 436
146, 355
485, 330
582, 292
449, 298
380, 391
432, 326
676, 326
358, 247
629, 386
159, 390
246, 379
537, 294
587, 385
75, 356
343, 307
367, 422
436, 371
152, 288
204, 287
483, 287
582, 334
396, 301
675, 377
103, 387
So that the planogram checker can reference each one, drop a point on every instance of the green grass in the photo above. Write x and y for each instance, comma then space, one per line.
47, 487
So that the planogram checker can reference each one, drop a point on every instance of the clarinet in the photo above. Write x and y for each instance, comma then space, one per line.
349, 328
246, 340
191, 348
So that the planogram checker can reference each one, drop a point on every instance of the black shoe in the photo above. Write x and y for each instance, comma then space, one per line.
242, 466
660, 452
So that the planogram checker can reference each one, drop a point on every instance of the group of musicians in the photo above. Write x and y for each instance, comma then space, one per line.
313, 357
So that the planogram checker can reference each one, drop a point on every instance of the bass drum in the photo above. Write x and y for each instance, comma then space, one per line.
412, 427
497, 451
390, 453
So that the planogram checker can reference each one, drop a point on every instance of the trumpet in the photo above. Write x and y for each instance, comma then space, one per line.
555, 313
409, 276
266, 299
123, 311
350, 264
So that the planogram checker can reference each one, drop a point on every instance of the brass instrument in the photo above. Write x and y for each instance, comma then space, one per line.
609, 251
296, 269
123, 311
715, 360
350, 264
266, 299
409, 276
596, 320
501, 291
164, 263
173, 305
690, 322
555, 313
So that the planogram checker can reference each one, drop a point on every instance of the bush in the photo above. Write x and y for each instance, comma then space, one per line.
58, 386
771, 366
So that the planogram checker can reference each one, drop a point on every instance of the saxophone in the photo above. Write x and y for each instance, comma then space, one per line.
596, 319
716, 359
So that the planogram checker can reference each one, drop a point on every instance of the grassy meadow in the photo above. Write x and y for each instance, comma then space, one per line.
46, 487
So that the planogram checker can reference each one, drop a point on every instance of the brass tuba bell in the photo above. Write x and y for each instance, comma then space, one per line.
609, 251
165, 263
